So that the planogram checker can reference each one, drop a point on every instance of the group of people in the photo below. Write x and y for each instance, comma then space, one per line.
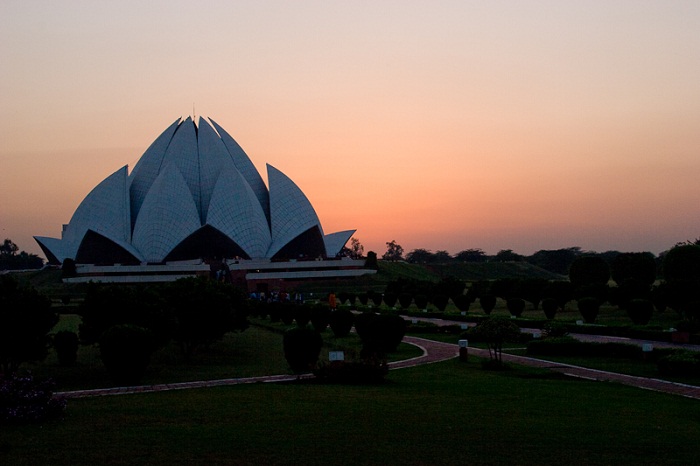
278, 297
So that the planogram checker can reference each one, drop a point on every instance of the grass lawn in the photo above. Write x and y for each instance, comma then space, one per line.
445, 413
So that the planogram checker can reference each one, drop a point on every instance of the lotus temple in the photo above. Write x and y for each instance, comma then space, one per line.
193, 203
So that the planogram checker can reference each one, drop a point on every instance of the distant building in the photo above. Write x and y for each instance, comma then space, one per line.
194, 198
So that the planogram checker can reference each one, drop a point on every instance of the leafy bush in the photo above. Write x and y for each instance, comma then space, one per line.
126, 352
516, 306
341, 321
343, 297
487, 302
495, 331
376, 298
26, 319
550, 306
24, 400
66, 345
589, 307
302, 346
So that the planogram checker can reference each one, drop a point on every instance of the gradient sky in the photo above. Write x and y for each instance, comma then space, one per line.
521, 125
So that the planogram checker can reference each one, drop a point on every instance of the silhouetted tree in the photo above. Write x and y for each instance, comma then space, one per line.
471, 255
394, 252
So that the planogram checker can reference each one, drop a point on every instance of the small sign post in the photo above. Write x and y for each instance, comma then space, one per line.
463, 350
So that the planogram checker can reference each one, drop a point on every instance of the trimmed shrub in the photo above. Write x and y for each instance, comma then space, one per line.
516, 306
320, 318
24, 400
376, 298
341, 321
287, 312
343, 297
588, 307
364, 298
351, 299
405, 300
302, 314
440, 302
380, 334
421, 301
462, 302
554, 329
550, 307
640, 311
66, 345
390, 299
126, 352
487, 303
302, 346
681, 362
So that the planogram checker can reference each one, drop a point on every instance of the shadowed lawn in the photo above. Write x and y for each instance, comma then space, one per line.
254, 352
445, 413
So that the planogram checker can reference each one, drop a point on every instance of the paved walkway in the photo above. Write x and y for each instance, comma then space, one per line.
433, 351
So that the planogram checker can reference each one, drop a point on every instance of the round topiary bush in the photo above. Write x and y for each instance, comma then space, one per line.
341, 322
440, 302
302, 314
126, 352
550, 307
462, 302
405, 300
320, 318
66, 345
390, 299
487, 302
640, 311
589, 307
516, 306
421, 301
302, 346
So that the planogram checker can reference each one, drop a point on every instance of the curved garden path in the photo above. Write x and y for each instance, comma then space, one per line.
433, 351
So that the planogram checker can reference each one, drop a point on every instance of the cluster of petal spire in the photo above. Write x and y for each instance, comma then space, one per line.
193, 194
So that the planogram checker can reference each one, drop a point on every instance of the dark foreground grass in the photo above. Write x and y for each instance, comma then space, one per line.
445, 413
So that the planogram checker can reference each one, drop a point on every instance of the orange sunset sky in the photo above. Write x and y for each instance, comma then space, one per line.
521, 125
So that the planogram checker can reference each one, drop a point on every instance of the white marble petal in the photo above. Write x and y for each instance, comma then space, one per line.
234, 210
213, 158
105, 210
336, 241
247, 169
147, 168
168, 216
184, 154
291, 213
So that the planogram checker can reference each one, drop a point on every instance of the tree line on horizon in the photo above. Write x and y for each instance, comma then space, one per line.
553, 260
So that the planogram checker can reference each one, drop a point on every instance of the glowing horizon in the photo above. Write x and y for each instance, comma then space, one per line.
441, 125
